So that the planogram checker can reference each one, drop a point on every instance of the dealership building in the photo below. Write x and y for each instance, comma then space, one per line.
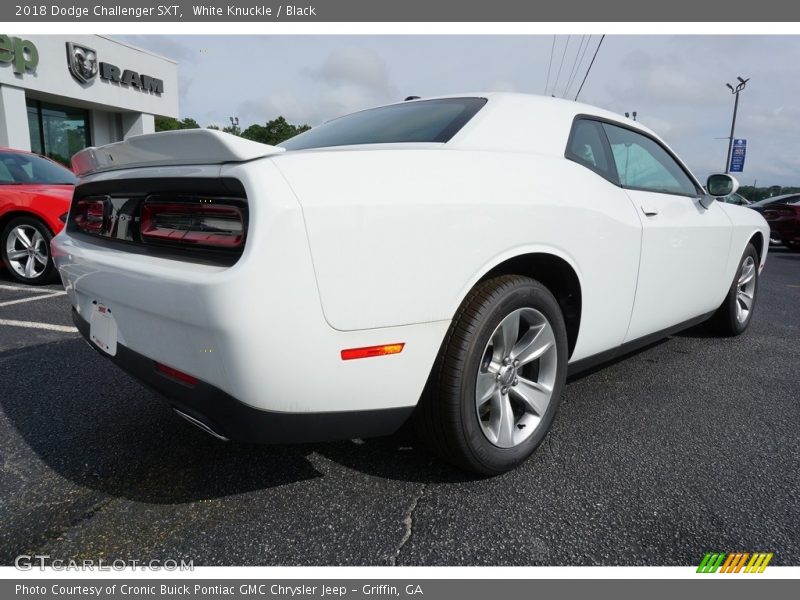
59, 94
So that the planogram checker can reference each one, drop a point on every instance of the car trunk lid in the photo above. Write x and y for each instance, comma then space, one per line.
170, 148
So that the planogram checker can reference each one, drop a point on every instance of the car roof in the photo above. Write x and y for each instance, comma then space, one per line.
6, 149
776, 198
511, 120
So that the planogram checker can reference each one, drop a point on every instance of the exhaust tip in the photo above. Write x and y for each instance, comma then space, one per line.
200, 425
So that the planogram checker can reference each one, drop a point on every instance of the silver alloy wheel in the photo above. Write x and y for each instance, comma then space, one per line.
27, 251
516, 378
745, 289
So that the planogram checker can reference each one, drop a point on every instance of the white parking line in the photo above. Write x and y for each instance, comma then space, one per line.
17, 288
32, 298
34, 325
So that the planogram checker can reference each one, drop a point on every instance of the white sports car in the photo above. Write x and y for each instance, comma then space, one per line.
455, 258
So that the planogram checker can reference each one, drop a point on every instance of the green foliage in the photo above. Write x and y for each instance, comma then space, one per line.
754, 194
273, 132
171, 124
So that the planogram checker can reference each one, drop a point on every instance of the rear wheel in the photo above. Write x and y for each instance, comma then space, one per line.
25, 248
734, 315
496, 384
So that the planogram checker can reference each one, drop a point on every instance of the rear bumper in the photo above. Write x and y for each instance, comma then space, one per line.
227, 417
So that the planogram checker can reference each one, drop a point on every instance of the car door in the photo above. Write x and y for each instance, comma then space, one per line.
685, 245
608, 249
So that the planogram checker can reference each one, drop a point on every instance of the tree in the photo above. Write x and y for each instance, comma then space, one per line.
171, 124
274, 132
754, 194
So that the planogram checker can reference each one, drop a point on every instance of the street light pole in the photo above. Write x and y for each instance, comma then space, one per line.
735, 91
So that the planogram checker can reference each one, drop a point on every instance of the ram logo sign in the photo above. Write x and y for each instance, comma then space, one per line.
734, 562
84, 66
82, 62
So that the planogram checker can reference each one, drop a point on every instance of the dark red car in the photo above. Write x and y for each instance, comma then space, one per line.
784, 222
35, 193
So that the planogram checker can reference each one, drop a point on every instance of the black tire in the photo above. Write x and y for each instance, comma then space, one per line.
725, 322
47, 275
447, 418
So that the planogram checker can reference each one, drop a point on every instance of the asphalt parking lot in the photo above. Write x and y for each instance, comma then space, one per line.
686, 447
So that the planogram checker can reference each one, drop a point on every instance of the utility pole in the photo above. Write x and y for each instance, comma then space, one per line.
735, 91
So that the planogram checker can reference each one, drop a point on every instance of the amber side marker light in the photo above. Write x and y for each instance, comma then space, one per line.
371, 351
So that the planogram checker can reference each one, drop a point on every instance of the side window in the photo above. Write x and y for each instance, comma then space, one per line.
644, 164
587, 147
5, 174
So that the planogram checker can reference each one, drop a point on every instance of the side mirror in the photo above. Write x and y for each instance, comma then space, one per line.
720, 185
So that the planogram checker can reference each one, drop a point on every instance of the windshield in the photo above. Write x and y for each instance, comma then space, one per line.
20, 168
419, 121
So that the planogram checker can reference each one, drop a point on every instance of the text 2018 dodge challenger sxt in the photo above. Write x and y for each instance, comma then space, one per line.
458, 256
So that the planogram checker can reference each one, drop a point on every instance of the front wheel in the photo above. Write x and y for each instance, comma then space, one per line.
25, 248
496, 384
736, 312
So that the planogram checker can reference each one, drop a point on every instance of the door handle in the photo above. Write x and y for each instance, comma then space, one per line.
650, 211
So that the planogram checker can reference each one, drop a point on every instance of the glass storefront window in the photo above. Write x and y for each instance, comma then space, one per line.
57, 131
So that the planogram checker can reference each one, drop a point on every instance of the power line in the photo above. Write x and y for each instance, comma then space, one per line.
550, 65
575, 63
558, 76
600, 43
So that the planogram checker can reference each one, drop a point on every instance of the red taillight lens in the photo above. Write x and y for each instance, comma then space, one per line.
216, 225
175, 374
90, 215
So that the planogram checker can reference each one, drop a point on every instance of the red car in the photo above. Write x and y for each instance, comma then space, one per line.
35, 193
784, 222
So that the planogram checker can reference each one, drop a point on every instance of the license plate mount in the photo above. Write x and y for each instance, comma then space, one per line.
103, 328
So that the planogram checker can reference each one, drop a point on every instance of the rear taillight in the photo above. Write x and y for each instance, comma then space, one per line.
90, 215
199, 224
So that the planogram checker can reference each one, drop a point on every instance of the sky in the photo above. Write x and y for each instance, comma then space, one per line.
676, 84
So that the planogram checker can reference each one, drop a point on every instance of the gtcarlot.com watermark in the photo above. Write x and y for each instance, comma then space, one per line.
28, 562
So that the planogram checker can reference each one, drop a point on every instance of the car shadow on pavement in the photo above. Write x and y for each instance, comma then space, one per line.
95, 426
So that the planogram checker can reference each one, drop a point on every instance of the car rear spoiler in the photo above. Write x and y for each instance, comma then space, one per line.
181, 147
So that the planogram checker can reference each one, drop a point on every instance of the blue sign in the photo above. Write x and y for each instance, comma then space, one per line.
737, 156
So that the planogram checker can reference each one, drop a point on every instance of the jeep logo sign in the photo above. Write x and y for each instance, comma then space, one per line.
84, 67
22, 54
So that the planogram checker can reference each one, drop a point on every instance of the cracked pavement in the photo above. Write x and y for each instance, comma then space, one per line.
688, 446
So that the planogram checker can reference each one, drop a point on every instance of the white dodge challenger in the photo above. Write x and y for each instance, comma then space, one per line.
455, 258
